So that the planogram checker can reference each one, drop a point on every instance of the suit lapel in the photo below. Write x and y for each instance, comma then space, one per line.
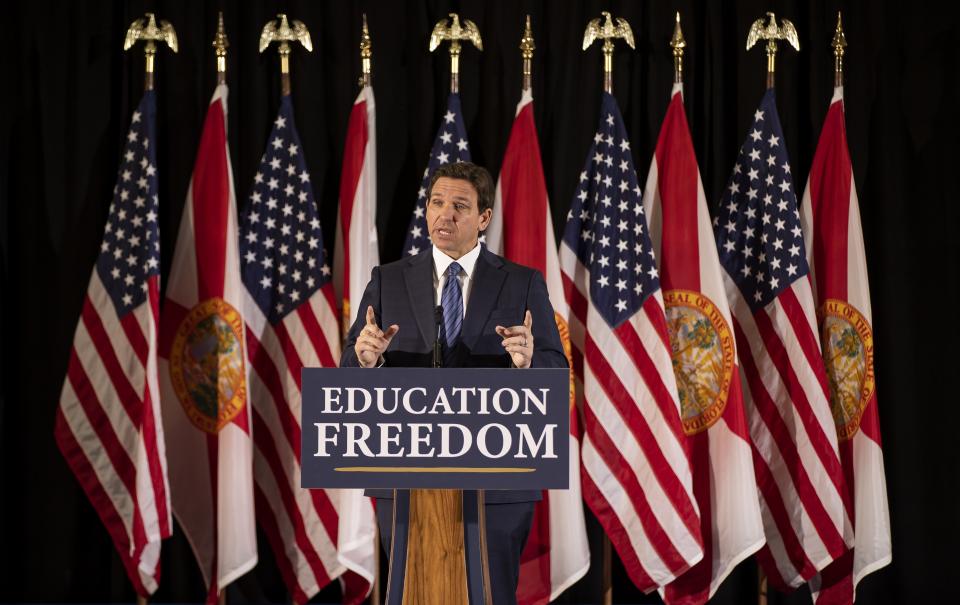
484, 292
418, 276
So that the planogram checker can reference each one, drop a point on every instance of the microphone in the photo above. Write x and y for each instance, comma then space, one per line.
437, 346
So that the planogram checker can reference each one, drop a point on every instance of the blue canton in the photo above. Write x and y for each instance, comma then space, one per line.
758, 224
606, 226
449, 147
281, 245
130, 251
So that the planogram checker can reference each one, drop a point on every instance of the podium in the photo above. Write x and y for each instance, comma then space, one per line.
439, 438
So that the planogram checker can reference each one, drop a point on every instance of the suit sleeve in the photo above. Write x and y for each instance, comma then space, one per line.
547, 348
371, 296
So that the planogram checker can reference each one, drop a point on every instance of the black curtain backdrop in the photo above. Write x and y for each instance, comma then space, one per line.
67, 98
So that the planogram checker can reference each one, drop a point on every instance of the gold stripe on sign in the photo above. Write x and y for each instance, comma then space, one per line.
427, 469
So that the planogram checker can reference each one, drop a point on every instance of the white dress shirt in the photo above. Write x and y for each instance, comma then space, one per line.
441, 262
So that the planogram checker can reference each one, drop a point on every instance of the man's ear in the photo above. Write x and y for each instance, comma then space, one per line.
485, 219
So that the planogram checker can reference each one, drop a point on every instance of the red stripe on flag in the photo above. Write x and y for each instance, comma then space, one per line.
100, 423
620, 468
354, 588
149, 429
534, 587
524, 194
616, 532
128, 397
627, 406
786, 446
316, 335
173, 315
819, 441
268, 450
353, 151
677, 178
693, 587
77, 461
211, 205
269, 375
781, 518
651, 377
270, 528
138, 342
831, 179
290, 354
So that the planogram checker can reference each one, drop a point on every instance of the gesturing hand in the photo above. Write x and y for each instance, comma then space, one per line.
518, 341
372, 341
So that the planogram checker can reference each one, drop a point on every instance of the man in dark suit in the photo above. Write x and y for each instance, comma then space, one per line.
491, 309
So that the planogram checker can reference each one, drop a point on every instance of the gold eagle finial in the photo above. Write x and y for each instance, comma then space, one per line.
770, 31
608, 30
453, 32
280, 31
146, 29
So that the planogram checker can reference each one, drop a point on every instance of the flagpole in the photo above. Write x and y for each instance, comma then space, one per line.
677, 43
526, 51
366, 55
771, 32
453, 33
607, 32
146, 29
366, 79
220, 43
281, 32
839, 43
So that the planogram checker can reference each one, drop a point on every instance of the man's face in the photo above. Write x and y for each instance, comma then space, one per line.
453, 218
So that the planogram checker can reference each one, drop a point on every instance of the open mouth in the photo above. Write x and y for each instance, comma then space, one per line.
443, 232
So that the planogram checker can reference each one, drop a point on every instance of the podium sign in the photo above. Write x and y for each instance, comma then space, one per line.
457, 428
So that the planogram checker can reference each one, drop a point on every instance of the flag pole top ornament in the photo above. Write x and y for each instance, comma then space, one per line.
839, 45
608, 32
454, 33
526, 51
366, 54
677, 43
280, 31
764, 29
146, 29
220, 43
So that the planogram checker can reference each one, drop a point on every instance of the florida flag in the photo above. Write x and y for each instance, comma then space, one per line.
556, 554
830, 214
356, 251
203, 370
704, 360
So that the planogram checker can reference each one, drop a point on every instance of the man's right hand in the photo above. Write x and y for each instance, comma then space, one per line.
372, 341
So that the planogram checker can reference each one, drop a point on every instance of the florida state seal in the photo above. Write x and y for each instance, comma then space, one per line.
207, 365
703, 357
847, 342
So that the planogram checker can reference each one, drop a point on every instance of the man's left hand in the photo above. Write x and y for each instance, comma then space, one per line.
518, 341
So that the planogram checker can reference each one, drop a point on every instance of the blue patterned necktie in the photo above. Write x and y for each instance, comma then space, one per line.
452, 302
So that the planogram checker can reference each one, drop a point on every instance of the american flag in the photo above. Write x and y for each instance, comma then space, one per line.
291, 324
108, 424
636, 475
761, 248
449, 147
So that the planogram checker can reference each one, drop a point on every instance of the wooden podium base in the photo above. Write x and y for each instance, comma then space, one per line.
438, 551
436, 570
